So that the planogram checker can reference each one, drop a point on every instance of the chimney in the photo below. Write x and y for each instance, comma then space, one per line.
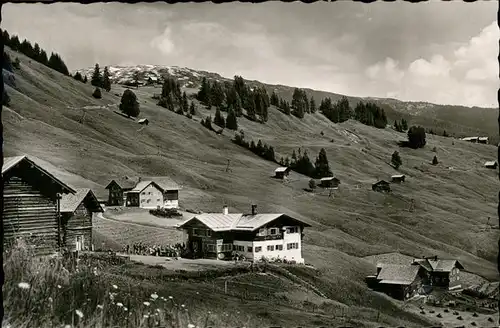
254, 209
225, 210
435, 257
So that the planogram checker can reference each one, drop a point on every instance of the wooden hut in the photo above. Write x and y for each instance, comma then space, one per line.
381, 186
398, 178
143, 121
31, 204
491, 165
77, 211
329, 182
483, 140
281, 172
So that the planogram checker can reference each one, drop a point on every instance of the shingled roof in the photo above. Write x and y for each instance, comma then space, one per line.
125, 182
70, 202
397, 274
445, 265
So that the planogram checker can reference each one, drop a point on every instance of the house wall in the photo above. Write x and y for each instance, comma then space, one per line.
30, 211
115, 197
286, 238
440, 279
133, 199
171, 199
151, 197
455, 281
77, 225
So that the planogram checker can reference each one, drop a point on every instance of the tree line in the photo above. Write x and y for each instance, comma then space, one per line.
173, 99
35, 52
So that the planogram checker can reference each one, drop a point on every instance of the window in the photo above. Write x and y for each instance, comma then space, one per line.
149, 200
292, 230
142, 200
239, 248
227, 247
262, 232
249, 249
279, 247
292, 246
274, 231
270, 248
143, 193
209, 233
258, 249
157, 199
195, 232
210, 248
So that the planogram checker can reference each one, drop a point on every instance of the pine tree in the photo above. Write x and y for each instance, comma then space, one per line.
204, 92
231, 121
96, 79
97, 93
85, 79
404, 125
435, 160
219, 119
396, 160
312, 105
106, 83
192, 111
129, 104
43, 58
78, 77
322, 168
185, 104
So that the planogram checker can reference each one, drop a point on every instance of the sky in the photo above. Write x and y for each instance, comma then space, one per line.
438, 52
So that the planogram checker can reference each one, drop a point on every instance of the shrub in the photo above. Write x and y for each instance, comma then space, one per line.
129, 104
17, 63
165, 212
312, 184
416, 137
97, 93
396, 160
435, 160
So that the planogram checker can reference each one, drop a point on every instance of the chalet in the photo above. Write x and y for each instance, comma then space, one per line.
443, 273
381, 186
471, 139
398, 178
491, 165
143, 121
329, 182
146, 194
170, 190
281, 172
483, 140
255, 236
77, 211
118, 189
31, 204
399, 281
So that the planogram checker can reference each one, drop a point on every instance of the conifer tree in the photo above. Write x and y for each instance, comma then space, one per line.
231, 121
184, 103
219, 119
106, 83
396, 160
129, 104
192, 111
312, 105
322, 168
96, 79
85, 79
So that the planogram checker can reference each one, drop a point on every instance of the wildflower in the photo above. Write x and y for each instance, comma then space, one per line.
158, 310
79, 313
51, 300
170, 297
59, 286
119, 304
23, 285
154, 296
147, 303
99, 306
183, 305
115, 286
125, 309
146, 316
197, 293
191, 325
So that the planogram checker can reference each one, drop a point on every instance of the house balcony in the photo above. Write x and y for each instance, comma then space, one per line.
268, 237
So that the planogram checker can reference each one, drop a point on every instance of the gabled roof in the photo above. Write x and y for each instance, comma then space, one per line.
142, 120
124, 182
143, 185
470, 138
445, 265
11, 162
164, 182
328, 179
69, 203
398, 274
281, 169
424, 263
483, 138
237, 221
381, 182
490, 163
398, 176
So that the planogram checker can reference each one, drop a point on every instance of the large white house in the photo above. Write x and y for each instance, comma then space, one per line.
151, 193
219, 235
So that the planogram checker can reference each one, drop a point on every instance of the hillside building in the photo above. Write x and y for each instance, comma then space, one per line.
398, 178
32, 198
443, 273
77, 211
329, 182
143, 121
483, 140
146, 194
491, 165
118, 189
281, 172
471, 139
255, 236
381, 186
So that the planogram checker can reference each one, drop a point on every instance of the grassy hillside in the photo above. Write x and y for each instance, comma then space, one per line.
451, 204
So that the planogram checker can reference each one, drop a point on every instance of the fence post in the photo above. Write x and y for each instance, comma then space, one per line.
225, 286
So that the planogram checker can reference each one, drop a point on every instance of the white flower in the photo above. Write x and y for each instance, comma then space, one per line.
59, 286
170, 297
154, 296
197, 293
51, 300
183, 305
146, 316
119, 304
147, 303
191, 325
115, 286
125, 309
99, 306
158, 310
79, 313
23, 285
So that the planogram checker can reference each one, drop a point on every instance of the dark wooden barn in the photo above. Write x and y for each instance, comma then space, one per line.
143, 121
76, 219
329, 182
381, 186
281, 172
31, 204
398, 178
399, 281
491, 165
118, 189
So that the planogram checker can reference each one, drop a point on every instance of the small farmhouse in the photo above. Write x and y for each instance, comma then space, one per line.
381, 186
398, 178
483, 140
491, 165
170, 190
31, 204
443, 273
77, 211
399, 281
329, 182
143, 121
146, 194
281, 172
118, 189
255, 236
471, 139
